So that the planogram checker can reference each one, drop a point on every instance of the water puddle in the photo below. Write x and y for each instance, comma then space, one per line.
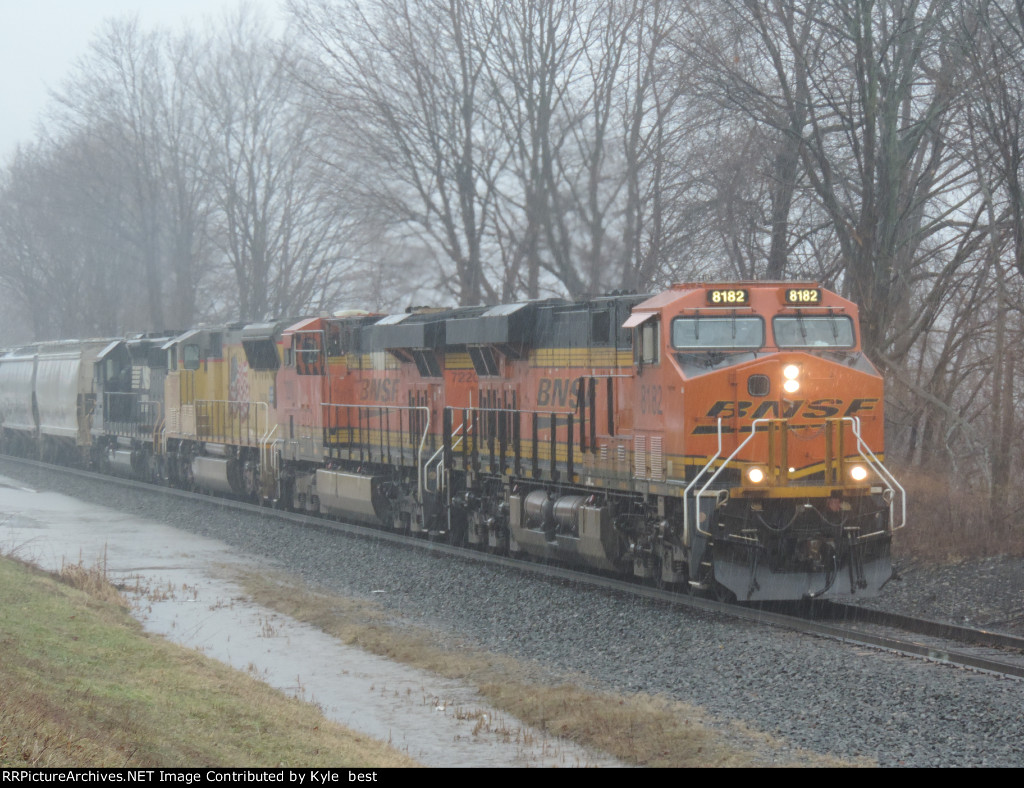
179, 593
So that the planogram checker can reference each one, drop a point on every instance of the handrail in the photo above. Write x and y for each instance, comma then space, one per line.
420, 467
750, 437
865, 452
266, 453
871, 459
151, 407
690, 486
440, 459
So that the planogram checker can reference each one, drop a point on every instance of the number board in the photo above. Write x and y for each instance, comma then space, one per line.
728, 297
803, 295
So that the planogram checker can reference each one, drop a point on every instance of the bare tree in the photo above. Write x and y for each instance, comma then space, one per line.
282, 243
401, 80
861, 93
133, 96
991, 36
536, 50
660, 141
115, 93
61, 255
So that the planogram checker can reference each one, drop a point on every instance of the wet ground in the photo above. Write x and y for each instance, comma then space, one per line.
180, 592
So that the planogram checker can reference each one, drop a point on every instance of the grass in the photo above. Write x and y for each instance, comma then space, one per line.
949, 523
638, 729
82, 685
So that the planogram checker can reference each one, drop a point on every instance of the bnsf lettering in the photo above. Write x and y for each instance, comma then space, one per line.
860, 405
816, 409
558, 392
823, 408
379, 390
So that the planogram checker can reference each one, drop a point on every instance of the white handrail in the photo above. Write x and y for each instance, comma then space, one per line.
440, 459
893, 486
886, 475
753, 432
689, 487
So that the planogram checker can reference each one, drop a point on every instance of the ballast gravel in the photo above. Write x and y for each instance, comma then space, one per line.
835, 699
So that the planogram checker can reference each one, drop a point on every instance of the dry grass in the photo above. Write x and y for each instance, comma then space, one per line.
947, 523
82, 685
638, 729
93, 580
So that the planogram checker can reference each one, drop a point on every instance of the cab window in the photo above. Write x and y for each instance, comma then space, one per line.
717, 333
191, 357
647, 352
808, 331
309, 353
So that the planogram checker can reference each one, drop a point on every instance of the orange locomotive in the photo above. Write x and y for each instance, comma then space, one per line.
724, 436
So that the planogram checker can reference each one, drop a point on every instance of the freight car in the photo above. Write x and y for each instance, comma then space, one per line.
726, 437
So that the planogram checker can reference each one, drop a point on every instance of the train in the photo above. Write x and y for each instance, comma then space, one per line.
721, 437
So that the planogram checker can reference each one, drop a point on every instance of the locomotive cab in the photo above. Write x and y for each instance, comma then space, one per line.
778, 421
130, 389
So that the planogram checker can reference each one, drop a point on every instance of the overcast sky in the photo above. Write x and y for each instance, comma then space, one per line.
41, 39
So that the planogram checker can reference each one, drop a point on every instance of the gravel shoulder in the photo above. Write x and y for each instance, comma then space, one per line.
978, 592
812, 693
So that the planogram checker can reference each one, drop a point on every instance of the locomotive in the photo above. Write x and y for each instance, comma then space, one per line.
725, 437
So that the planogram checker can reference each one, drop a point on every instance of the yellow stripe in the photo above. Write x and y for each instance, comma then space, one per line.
457, 361
580, 357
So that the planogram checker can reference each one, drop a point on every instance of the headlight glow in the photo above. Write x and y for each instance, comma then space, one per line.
791, 386
858, 473
756, 475
791, 372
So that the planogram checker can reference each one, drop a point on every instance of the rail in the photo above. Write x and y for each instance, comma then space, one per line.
127, 415
382, 412
268, 459
439, 471
238, 422
884, 473
893, 488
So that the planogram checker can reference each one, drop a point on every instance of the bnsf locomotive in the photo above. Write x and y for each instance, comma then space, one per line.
725, 437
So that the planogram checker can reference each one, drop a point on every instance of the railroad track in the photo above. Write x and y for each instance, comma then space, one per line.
941, 642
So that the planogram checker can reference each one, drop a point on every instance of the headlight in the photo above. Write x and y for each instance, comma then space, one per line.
858, 473
791, 372
755, 475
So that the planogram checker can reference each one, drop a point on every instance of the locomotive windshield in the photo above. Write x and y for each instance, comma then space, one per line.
717, 333
799, 331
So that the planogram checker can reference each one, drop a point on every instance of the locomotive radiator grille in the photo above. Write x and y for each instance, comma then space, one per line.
640, 456
657, 459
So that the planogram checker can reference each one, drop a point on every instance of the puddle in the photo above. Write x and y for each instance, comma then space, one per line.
179, 594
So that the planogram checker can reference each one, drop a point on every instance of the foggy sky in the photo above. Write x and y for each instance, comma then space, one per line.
41, 39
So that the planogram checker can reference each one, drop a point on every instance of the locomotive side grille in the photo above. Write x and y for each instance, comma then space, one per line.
657, 459
640, 456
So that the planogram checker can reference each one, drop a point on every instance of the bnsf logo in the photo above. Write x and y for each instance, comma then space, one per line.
558, 391
379, 390
815, 409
